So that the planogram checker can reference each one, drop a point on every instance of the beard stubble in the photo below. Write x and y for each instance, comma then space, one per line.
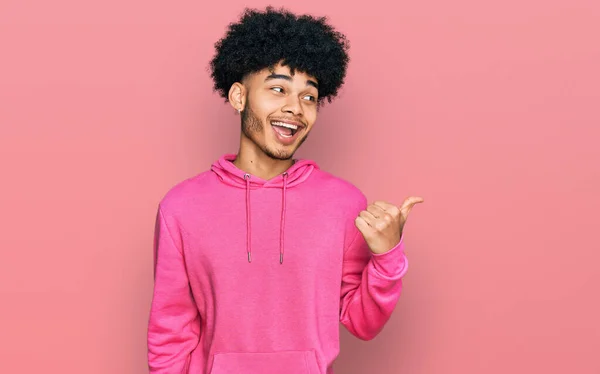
252, 128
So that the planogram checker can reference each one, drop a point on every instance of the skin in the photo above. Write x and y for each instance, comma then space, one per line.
260, 98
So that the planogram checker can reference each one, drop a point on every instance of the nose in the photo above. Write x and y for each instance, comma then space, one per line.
293, 106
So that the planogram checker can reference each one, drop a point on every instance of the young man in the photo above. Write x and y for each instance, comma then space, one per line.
259, 259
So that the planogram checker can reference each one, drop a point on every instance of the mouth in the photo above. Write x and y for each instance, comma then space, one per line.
287, 129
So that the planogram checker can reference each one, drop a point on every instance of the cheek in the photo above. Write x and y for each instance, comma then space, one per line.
265, 109
310, 115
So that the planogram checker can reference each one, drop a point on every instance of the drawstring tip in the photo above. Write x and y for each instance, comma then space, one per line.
281, 258
249, 257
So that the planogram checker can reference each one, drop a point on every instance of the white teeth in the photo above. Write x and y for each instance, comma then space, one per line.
293, 127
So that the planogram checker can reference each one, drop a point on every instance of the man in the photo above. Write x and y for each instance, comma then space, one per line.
259, 259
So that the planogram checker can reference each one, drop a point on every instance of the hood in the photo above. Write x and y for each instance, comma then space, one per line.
231, 175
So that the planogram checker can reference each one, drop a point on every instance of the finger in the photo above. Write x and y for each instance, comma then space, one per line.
383, 205
411, 201
376, 210
362, 225
368, 217
409, 204
390, 210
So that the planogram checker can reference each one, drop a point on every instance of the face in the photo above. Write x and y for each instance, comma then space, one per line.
279, 110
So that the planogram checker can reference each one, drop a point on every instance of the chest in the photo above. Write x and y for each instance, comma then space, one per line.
309, 230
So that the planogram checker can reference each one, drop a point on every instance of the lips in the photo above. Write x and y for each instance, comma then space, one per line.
286, 127
286, 131
288, 122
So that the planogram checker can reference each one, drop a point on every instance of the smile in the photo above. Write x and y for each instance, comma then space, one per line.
285, 129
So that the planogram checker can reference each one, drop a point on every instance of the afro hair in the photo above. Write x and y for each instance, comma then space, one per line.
262, 39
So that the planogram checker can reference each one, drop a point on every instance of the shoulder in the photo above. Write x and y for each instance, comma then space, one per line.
342, 188
178, 196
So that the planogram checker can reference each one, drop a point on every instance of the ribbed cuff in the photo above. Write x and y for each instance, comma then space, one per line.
392, 263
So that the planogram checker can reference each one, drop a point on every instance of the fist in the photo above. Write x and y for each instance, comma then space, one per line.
381, 224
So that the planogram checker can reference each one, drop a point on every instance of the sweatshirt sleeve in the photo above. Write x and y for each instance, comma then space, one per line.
174, 323
371, 286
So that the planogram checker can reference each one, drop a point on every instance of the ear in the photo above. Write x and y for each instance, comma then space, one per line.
237, 96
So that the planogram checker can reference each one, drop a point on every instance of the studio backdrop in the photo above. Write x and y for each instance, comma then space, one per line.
488, 110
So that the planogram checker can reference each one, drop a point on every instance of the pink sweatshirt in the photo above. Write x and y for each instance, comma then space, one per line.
255, 276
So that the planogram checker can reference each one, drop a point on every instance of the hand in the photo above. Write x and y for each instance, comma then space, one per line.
382, 223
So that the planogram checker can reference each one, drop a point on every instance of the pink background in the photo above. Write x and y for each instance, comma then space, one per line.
489, 110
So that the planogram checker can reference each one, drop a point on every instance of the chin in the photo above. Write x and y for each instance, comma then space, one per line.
280, 153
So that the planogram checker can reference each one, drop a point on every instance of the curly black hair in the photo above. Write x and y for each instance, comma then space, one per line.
263, 38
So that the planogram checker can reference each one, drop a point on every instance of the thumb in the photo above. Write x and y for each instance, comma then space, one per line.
410, 203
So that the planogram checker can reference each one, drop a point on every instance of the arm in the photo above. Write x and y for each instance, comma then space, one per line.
174, 323
371, 286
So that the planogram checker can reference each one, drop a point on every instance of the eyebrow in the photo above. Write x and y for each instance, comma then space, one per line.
288, 78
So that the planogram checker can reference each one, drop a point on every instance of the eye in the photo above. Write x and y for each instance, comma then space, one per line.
312, 98
277, 88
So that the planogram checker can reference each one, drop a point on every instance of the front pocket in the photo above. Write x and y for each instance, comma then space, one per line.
288, 362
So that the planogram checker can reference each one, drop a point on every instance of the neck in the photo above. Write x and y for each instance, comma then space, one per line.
256, 162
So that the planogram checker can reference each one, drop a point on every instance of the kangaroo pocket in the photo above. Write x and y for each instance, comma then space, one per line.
288, 362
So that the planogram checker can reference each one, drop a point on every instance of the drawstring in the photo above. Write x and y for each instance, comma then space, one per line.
282, 224
248, 224
248, 241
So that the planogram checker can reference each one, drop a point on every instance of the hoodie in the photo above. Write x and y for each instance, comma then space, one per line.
255, 276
